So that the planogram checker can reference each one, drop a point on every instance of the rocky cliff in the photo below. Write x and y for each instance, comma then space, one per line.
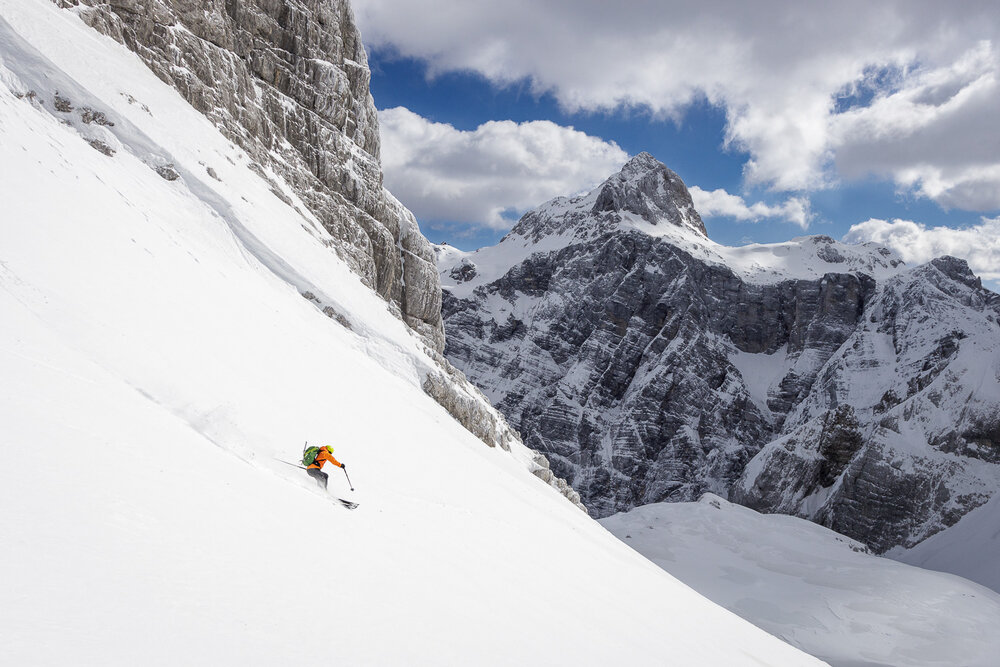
900, 435
652, 364
287, 81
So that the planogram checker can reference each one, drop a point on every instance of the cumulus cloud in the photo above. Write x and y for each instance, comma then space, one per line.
802, 84
719, 203
917, 243
937, 135
487, 176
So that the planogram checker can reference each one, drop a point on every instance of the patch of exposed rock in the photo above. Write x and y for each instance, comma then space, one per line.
287, 81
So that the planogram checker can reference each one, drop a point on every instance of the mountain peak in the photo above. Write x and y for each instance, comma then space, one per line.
644, 190
642, 163
957, 269
649, 189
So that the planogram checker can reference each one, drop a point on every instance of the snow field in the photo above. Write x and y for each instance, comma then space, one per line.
970, 548
818, 590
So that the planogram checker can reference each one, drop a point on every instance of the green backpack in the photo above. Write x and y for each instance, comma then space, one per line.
309, 456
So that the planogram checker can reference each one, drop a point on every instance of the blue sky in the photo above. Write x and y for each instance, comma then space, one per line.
863, 121
693, 146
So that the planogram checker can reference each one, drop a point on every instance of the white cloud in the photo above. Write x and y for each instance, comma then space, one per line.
917, 243
775, 66
719, 203
475, 177
937, 136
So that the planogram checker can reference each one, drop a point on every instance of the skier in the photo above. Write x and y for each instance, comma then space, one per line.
314, 469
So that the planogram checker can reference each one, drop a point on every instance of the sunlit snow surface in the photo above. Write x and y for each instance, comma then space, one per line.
156, 358
816, 589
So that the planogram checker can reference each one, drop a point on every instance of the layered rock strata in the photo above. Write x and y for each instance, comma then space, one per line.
288, 82
900, 435
651, 364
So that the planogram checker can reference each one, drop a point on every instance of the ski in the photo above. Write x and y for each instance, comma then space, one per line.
346, 503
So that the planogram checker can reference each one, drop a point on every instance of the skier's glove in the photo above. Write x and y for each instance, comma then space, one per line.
343, 466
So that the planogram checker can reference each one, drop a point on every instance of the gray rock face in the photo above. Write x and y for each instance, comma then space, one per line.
287, 81
898, 438
617, 339
645, 189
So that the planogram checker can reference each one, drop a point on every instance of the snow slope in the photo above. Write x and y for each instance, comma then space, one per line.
970, 548
157, 359
816, 589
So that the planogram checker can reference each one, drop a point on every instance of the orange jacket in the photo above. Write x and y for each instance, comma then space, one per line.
323, 457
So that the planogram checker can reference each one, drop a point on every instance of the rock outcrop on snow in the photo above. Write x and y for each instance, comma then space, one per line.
463, 401
288, 82
651, 364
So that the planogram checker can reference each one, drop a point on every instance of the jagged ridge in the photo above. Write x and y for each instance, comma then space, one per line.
652, 364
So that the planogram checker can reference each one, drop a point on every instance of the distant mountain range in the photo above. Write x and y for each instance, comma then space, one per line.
815, 378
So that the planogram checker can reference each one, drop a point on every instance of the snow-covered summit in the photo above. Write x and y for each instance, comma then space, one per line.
803, 258
647, 198
644, 190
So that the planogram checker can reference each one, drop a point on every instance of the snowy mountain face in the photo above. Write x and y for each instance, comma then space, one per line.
970, 548
900, 435
810, 377
161, 369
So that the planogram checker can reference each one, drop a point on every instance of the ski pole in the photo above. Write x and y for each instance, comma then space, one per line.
348, 478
